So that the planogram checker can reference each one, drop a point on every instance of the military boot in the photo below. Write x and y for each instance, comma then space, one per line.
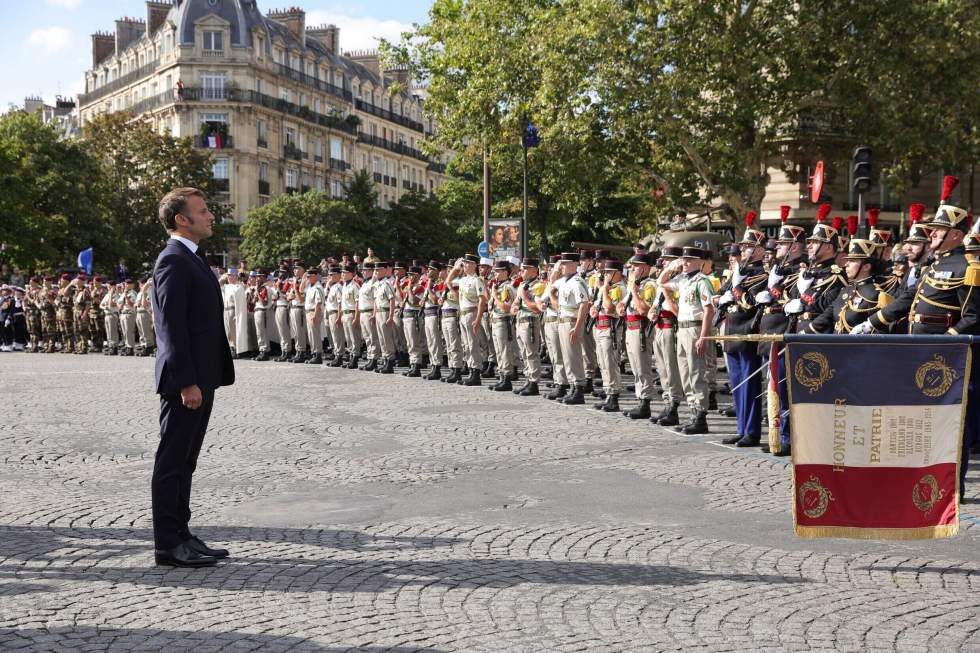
589, 387
454, 376
315, 359
697, 426
641, 411
668, 416
712, 400
300, 357
530, 389
473, 379
389, 367
576, 397
414, 371
434, 373
503, 385
610, 405
263, 356
559, 392
490, 372
285, 356
370, 366
338, 361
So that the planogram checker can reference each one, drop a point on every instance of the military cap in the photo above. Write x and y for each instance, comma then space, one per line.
415, 269
860, 249
554, 258
570, 257
502, 264
972, 242
671, 252
335, 269
486, 261
530, 262
614, 264
752, 236
65, 276
96, 279
435, 265
350, 267
471, 258
824, 233
602, 254
35, 279
397, 265
918, 232
695, 252
586, 255
129, 280
49, 278
949, 215
642, 259
368, 265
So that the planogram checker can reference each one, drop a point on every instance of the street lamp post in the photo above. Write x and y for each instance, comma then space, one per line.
532, 138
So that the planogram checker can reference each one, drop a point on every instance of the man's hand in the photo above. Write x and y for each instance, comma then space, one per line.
864, 327
191, 397
699, 346
576, 332
476, 327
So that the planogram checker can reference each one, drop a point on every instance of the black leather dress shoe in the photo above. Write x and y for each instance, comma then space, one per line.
183, 556
197, 544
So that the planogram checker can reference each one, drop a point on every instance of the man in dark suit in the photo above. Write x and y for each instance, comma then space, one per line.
192, 360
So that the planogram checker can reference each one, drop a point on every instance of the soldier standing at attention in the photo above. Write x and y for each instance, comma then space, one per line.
412, 295
447, 293
525, 308
548, 304
818, 286
573, 303
434, 276
263, 301
66, 299
349, 294
281, 300
313, 307
385, 309
399, 281
609, 295
640, 293
96, 316
110, 307
46, 304
33, 315
79, 314
233, 294
472, 302
592, 277
695, 314
500, 297
663, 319
334, 314
367, 319
489, 356
862, 296
127, 316
297, 312
144, 320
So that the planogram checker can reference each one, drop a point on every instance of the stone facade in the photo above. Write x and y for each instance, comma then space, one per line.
282, 108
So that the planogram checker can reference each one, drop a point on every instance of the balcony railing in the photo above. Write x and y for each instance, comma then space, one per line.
367, 107
261, 142
290, 151
434, 166
223, 143
221, 185
118, 83
263, 187
338, 164
313, 82
318, 158
213, 53
400, 148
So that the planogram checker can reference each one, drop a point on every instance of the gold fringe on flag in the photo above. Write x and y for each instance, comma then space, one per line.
772, 398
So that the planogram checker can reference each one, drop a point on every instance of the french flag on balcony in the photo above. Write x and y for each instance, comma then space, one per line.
877, 424
214, 141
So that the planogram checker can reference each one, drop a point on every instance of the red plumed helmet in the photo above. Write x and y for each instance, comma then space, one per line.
949, 183
837, 222
852, 225
822, 212
915, 212
873, 217
783, 213
750, 218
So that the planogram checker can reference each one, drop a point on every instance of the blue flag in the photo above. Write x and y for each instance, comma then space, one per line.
532, 137
85, 260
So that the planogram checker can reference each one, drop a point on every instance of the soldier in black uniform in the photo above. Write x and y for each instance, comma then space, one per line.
862, 296
894, 317
818, 285
737, 303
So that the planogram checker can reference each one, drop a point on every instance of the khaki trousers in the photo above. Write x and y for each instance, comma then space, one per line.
571, 352
314, 332
693, 369
128, 323
413, 331
665, 353
485, 339
387, 343
297, 327
261, 333
282, 326
589, 353
607, 356
398, 329
529, 341
503, 342
335, 325
453, 341
145, 325
352, 335
112, 328
553, 343
473, 352
230, 326
433, 339
640, 361
369, 331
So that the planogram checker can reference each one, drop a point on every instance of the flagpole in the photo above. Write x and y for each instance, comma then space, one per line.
524, 225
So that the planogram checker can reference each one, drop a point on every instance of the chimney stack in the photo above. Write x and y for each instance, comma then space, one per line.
294, 19
368, 59
156, 14
328, 35
103, 45
128, 30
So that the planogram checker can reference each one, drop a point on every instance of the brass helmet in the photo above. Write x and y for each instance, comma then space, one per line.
918, 232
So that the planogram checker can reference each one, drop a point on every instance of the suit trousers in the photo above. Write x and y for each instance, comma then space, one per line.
453, 341
748, 403
433, 339
181, 436
553, 343
297, 327
282, 326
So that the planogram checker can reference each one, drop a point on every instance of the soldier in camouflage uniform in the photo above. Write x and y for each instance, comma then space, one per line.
63, 313
79, 315
33, 315
96, 315
46, 303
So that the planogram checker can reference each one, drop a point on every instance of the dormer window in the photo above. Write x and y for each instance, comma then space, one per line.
213, 41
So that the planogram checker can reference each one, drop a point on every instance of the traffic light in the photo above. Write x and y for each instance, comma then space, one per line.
861, 168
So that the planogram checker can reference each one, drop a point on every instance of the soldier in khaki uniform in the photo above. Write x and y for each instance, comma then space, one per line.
313, 308
411, 294
144, 319
500, 296
385, 307
261, 298
110, 308
590, 272
281, 300
472, 303
573, 306
349, 295
366, 314
447, 294
529, 331
333, 316
640, 292
127, 317
610, 294
297, 313
434, 276
548, 304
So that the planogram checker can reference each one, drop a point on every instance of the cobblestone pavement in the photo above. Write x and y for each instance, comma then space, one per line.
376, 513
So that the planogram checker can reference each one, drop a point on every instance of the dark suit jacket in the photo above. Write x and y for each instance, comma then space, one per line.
192, 348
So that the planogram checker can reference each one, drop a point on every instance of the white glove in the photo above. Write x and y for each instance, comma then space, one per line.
763, 297
803, 283
793, 306
737, 275
864, 327
775, 277
727, 298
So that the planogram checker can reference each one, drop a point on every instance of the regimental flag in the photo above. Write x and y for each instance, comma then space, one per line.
85, 260
877, 424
